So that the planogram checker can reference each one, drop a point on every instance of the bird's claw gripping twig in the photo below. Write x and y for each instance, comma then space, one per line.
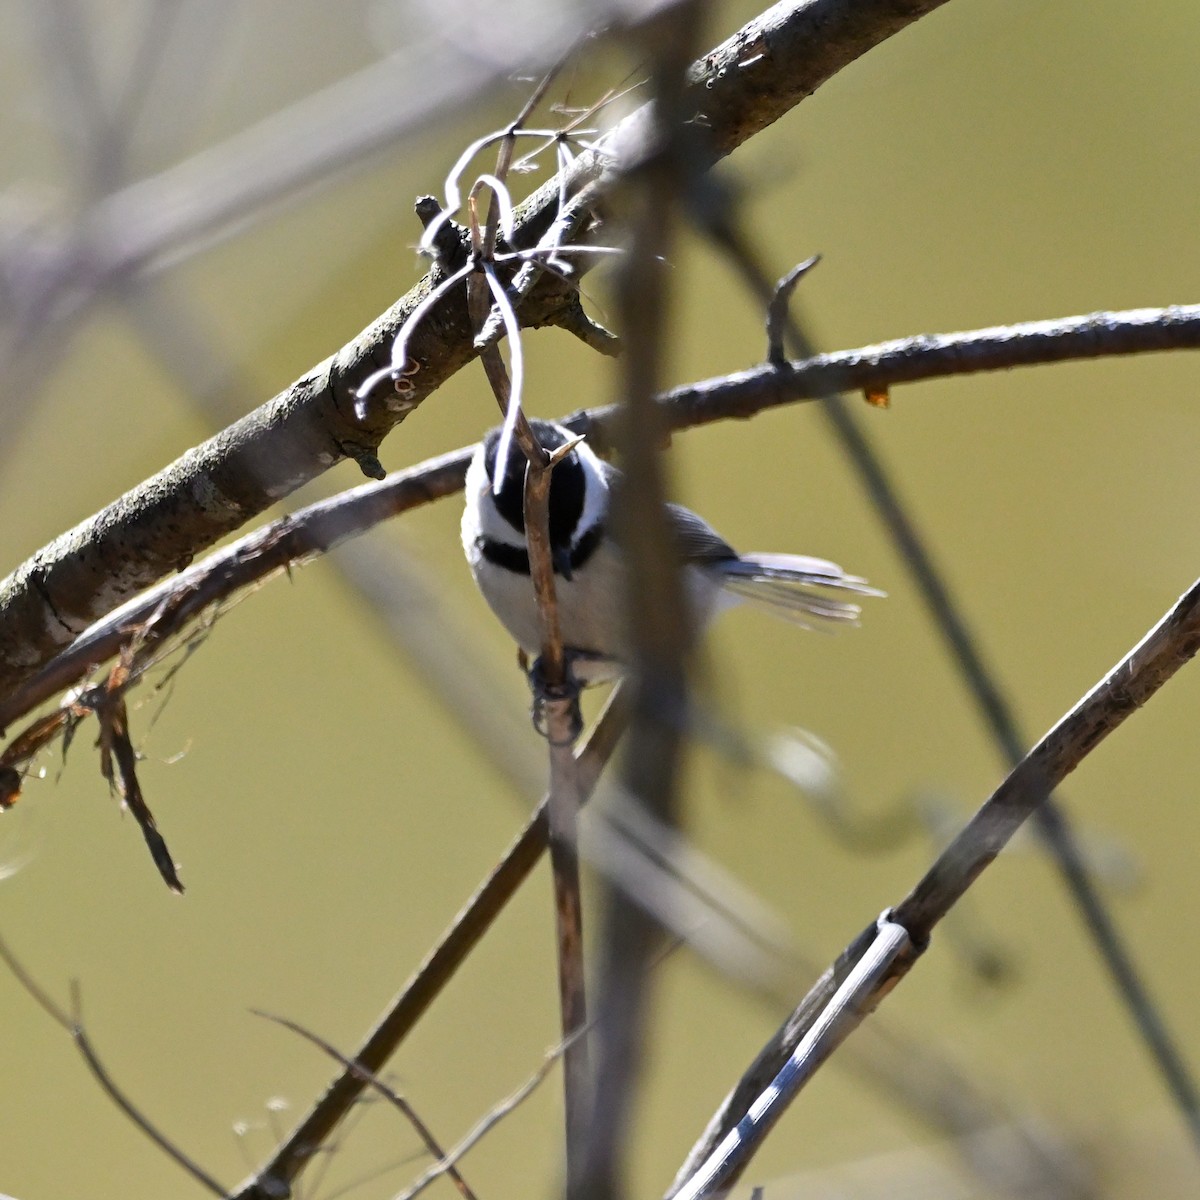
551, 699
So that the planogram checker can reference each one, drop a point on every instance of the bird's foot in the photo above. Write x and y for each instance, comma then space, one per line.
555, 710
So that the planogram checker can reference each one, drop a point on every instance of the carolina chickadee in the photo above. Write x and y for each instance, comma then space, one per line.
589, 573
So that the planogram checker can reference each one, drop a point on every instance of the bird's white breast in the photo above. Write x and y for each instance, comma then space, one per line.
591, 604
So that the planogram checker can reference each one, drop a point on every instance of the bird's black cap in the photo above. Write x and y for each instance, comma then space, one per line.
567, 484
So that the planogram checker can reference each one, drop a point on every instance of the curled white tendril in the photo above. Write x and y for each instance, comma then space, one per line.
550, 253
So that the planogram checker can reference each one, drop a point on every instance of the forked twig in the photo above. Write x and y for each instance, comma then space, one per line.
487, 1123
74, 1026
389, 1094
436, 971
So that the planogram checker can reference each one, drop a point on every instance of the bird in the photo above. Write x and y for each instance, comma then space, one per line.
589, 568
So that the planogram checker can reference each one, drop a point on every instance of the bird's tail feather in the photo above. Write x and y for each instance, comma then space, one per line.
794, 587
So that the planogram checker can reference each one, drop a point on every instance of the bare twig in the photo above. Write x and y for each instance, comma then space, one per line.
389, 1094
118, 758
486, 1123
74, 1026
116, 750
434, 973
934, 356
315, 529
558, 708
660, 626
1167, 647
777, 310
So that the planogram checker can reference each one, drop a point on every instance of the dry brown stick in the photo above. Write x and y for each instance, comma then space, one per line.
118, 765
562, 827
555, 703
558, 707
557, 710
434, 973
1166, 648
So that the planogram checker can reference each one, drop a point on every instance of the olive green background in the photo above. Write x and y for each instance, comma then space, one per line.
1000, 161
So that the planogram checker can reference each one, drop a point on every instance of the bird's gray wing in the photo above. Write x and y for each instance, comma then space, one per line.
697, 540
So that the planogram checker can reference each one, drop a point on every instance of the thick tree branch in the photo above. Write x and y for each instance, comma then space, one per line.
159, 526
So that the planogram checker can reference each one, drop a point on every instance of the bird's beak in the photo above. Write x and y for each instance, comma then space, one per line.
562, 562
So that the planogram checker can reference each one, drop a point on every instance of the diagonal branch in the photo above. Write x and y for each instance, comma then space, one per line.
1173, 642
311, 425
1050, 819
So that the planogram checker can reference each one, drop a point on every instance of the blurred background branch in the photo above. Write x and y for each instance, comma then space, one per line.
226, 186
310, 426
